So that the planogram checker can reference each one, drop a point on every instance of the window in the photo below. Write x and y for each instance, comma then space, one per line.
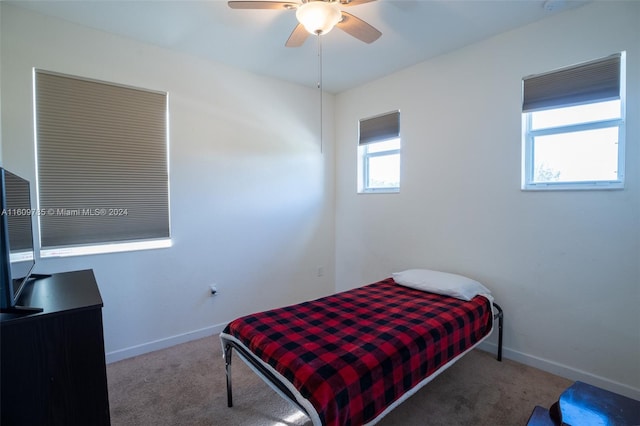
379, 154
573, 127
102, 166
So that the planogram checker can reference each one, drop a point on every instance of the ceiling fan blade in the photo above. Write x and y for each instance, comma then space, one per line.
347, 3
262, 5
358, 28
297, 37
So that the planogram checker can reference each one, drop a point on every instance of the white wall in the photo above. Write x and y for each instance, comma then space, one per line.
251, 193
563, 265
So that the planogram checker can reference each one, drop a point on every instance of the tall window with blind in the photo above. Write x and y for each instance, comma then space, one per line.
573, 127
379, 154
102, 166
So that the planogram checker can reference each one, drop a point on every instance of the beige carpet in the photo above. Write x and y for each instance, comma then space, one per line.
185, 385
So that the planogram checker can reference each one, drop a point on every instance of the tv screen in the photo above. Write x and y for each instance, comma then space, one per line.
18, 252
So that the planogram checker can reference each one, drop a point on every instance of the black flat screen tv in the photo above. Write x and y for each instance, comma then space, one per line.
17, 254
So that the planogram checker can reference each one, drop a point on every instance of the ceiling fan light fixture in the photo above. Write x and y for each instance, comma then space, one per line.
318, 17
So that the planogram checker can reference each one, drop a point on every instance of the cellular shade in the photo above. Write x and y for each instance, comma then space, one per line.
379, 128
102, 161
597, 80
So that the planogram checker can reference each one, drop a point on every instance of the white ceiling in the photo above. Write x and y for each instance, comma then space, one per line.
412, 31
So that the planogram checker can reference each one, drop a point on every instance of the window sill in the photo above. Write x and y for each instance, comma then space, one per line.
572, 186
380, 191
105, 248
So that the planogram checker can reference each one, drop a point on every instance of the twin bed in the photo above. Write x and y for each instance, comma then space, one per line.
352, 357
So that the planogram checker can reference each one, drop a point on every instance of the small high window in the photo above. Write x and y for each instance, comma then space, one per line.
379, 154
573, 127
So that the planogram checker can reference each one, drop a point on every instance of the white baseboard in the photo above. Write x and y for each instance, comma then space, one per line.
563, 370
155, 345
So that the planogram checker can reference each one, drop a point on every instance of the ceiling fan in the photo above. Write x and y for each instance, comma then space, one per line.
317, 17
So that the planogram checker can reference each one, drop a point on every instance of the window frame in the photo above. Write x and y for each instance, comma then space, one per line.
154, 105
529, 134
381, 128
365, 156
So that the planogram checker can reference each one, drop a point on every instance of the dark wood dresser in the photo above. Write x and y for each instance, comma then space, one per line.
52, 363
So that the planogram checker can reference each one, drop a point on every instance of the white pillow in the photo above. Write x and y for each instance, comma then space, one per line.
441, 283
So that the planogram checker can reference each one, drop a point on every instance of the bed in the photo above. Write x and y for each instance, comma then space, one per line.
352, 357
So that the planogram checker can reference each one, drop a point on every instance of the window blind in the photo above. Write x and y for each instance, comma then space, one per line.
379, 128
102, 162
597, 80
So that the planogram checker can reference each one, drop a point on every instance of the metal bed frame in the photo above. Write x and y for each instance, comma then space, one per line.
286, 392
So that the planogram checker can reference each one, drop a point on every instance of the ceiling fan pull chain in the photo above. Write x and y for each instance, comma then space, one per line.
320, 84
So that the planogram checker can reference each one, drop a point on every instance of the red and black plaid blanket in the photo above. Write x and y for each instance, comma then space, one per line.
352, 354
